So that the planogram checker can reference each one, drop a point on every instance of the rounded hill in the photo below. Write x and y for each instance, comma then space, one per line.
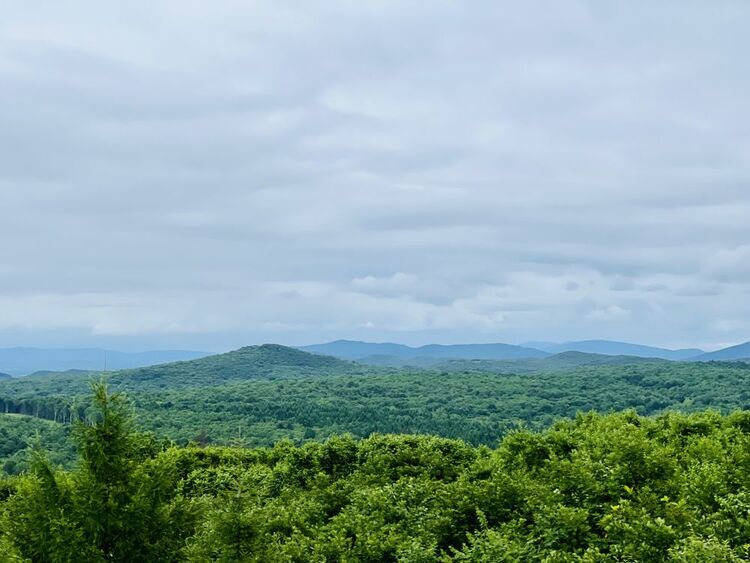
267, 361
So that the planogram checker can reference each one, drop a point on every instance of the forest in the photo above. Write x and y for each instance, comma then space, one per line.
273, 454
615, 487
259, 395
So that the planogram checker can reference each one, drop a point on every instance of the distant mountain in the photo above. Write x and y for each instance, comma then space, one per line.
739, 352
355, 350
480, 351
392, 354
5, 376
539, 344
613, 348
22, 361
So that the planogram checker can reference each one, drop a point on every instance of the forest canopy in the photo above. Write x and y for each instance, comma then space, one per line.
259, 395
617, 487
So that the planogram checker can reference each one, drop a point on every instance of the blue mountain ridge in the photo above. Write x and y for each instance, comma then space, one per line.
738, 352
354, 350
23, 360
614, 348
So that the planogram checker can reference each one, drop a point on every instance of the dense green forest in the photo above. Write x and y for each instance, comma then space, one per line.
618, 487
259, 395
18, 432
273, 454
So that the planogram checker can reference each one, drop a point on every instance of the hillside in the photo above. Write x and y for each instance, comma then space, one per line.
476, 406
266, 393
269, 361
739, 352
5, 376
17, 432
564, 360
573, 359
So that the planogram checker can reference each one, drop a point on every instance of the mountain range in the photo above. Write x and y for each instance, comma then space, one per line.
395, 354
23, 361
738, 352
355, 350
613, 348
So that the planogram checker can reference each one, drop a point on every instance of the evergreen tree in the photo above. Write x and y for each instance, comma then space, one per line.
119, 505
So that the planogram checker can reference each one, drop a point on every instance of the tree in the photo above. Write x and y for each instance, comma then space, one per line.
119, 505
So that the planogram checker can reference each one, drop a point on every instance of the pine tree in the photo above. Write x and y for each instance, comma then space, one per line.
119, 505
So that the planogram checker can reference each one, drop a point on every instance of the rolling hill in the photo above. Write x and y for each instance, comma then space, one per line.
268, 361
564, 360
262, 394
558, 362
389, 353
301, 396
738, 352
614, 348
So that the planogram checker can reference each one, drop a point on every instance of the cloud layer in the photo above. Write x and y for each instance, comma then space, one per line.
173, 173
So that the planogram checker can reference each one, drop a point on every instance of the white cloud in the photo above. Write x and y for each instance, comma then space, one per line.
270, 171
730, 264
609, 313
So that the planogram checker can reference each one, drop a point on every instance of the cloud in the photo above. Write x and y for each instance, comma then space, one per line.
268, 171
609, 313
729, 264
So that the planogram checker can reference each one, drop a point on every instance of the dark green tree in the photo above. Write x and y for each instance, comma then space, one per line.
119, 505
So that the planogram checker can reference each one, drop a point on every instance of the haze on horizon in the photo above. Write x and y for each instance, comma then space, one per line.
386, 171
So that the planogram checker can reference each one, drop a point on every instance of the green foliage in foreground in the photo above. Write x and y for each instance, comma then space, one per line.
616, 487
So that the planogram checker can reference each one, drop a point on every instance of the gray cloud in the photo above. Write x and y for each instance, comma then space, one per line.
177, 174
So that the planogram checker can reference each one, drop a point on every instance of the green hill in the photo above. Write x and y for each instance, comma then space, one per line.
259, 395
268, 361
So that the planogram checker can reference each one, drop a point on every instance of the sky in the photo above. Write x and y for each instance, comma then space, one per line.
201, 175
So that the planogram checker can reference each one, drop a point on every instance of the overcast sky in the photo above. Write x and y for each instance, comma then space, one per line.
210, 174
